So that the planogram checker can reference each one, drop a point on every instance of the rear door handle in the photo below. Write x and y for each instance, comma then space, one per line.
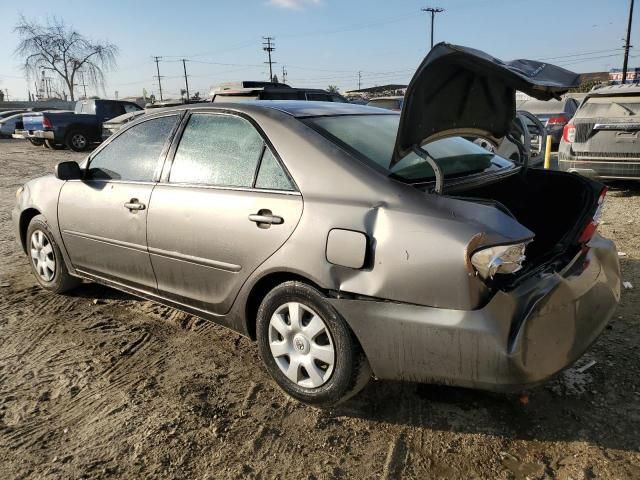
265, 218
134, 205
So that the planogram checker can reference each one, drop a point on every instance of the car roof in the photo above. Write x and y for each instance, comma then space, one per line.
627, 88
295, 108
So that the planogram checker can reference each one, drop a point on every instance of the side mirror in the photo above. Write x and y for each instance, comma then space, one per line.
68, 171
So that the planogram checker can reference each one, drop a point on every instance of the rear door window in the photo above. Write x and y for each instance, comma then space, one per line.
271, 175
318, 97
219, 150
133, 155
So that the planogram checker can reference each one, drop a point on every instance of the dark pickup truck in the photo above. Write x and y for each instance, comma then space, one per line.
77, 130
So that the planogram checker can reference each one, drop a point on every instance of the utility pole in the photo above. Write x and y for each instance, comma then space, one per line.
284, 75
627, 45
359, 79
268, 46
186, 82
83, 85
433, 11
6, 90
157, 60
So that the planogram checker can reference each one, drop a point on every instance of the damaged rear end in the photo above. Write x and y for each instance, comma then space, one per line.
540, 283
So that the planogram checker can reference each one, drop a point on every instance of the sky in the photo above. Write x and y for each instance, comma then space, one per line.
318, 42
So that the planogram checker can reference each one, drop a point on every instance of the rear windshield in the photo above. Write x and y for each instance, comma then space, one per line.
372, 138
610, 107
540, 107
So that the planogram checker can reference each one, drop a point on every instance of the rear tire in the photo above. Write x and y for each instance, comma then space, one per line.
77, 141
308, 348
52, 145
36, 142
46, 259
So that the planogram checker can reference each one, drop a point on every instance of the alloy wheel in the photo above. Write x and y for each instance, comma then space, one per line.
301, 345
42, 256
79, 141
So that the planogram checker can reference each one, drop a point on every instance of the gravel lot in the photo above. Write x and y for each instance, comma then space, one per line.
99, 384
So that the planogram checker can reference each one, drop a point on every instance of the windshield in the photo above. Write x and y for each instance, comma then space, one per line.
372, 137
610, 107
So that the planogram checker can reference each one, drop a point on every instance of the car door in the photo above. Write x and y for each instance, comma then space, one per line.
103, 217
224, 207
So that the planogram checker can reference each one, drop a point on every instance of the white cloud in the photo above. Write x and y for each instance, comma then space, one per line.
294, 4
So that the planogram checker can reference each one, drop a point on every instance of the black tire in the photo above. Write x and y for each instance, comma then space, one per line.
36, 142
350, 372
60, 280
77, 140
52, 145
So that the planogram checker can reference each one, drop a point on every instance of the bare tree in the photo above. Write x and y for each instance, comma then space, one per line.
59, 48
333, 89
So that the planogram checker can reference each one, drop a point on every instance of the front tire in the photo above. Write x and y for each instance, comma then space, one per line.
308, 348
46, 259
77, 141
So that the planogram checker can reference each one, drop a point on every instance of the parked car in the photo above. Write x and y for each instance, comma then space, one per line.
77, 130
8, 113
249, 91
603, 138
343, 238
8, 124
554, 114
388, 103
112, 126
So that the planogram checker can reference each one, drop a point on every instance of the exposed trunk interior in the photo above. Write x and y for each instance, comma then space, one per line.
556, 206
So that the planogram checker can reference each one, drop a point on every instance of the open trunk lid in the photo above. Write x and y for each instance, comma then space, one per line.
461, 91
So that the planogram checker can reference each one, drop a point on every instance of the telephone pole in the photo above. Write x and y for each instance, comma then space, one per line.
186, 82
627, 45
359, 79
433, 11
268, 46
284, 75
83, 85
157, 60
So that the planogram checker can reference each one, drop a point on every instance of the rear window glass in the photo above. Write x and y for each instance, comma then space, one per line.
611, 107
388, 104
372, 138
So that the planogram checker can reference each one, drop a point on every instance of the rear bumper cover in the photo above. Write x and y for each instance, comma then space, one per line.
622, 168
519, 339
48, 135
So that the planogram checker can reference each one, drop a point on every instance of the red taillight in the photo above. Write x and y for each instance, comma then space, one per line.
592, 226
569, 133
46, 123
558, 120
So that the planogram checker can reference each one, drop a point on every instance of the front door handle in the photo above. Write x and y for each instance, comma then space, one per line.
264, 218
134, 205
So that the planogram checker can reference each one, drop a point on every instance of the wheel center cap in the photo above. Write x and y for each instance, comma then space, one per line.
301, 344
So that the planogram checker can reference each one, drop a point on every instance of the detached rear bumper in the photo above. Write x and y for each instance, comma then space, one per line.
25, 134
520, 338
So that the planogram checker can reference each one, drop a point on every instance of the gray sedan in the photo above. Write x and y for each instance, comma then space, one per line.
346, 240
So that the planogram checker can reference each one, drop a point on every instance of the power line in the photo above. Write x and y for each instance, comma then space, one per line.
432, 11
627, 46
157, 60
268, 46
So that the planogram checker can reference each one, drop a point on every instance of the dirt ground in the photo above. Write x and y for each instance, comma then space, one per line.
99, 384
